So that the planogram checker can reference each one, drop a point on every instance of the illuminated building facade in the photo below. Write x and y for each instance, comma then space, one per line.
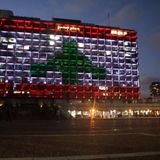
67, 59
155, 89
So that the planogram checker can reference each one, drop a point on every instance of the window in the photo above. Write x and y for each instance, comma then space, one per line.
122, 77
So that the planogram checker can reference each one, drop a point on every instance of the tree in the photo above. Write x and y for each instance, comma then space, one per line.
69, 62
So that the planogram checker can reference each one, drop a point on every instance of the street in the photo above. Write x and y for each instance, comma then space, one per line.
80, 138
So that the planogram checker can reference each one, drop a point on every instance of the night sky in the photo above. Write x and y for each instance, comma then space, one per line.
141, 15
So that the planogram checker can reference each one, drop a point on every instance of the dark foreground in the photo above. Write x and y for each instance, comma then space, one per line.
80, 138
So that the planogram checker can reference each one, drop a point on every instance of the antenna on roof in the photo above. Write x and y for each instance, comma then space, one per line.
108, 19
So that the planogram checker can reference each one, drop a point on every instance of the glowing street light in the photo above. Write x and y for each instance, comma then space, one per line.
93, 110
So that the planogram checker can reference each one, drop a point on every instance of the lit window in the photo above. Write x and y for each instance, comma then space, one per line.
10, 46
26, 47
108, 53
57, 37
52, 43
80, 45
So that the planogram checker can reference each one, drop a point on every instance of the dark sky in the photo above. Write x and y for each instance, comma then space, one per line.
141, 15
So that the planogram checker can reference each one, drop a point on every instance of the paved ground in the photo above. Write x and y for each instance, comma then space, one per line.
98, 139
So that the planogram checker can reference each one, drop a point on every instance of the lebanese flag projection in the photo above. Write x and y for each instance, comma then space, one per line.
65, 74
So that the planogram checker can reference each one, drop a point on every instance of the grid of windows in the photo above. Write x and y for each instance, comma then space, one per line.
50, 53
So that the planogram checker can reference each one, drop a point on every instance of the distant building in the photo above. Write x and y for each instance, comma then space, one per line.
155, 89
67, 59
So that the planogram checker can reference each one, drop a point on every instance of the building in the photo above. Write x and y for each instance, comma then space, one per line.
67, 59
155, 89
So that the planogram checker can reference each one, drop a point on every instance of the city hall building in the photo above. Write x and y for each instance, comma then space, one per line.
66, 59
